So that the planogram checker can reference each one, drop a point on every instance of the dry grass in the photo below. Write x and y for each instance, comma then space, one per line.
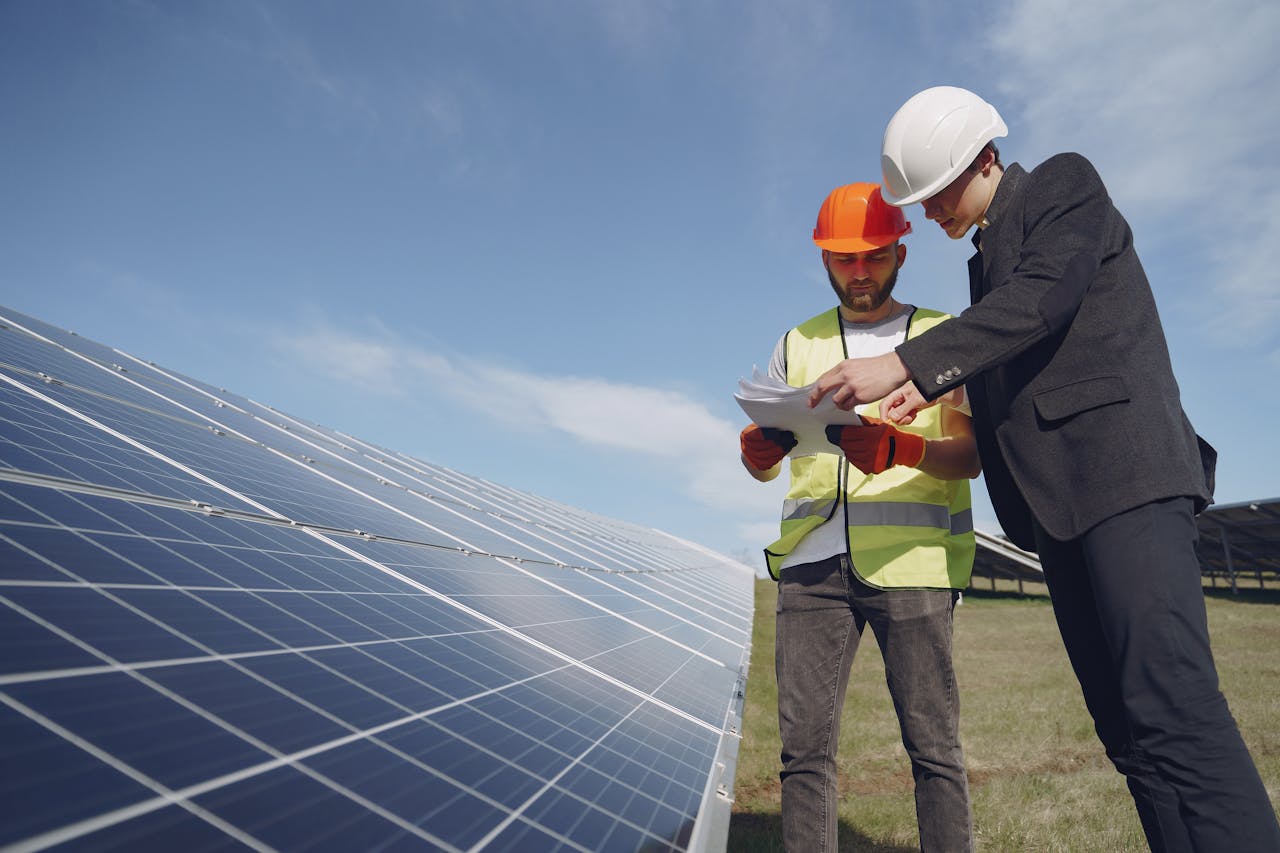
1038, 777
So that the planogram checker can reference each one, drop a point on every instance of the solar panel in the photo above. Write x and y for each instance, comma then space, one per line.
996, 558
227, 628
1240, 543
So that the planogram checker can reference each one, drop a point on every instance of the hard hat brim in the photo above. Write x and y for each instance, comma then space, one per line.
848, 245
920, 195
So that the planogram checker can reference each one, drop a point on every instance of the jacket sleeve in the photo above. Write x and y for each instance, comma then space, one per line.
1063, 224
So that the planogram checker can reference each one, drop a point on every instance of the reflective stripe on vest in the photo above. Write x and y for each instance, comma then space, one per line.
893, 513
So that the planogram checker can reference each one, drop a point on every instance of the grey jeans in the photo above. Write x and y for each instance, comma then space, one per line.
822, 609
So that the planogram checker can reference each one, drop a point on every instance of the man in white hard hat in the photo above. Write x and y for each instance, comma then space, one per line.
878, 532
1089, 457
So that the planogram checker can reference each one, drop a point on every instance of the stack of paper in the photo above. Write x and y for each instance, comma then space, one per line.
772, 403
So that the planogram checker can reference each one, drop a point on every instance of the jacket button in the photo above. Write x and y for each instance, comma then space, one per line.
939, 379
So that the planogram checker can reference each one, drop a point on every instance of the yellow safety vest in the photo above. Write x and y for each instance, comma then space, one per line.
904, 528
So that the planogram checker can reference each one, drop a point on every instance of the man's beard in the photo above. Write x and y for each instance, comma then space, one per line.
863, 303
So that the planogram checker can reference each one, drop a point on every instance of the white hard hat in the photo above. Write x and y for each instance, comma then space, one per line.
931, 139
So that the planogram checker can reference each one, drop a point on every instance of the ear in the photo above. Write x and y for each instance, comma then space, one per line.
902, 254
986, 159
825, 262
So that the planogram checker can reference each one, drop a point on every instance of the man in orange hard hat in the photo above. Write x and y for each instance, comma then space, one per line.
877, 531
1089, 457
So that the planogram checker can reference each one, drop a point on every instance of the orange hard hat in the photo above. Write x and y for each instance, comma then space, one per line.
854, 218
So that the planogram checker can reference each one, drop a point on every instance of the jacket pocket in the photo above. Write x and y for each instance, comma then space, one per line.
1067, 401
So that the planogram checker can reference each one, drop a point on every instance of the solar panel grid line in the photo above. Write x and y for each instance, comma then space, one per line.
230, 429
624, 755
673, 600
196, 642
170, 377
282, 456
81, 447
188, 638
513, 495
123, 375
513, 632
150, 498
595, 545
549, 785
210, 654
105, 357
183, 797
227, 779
722, 740
166, 582
683, 596
44, 378
518, 567
64, 484
31, 676
71, 832
599, 546
348, 602
507, 518
319, 449
107, 588
651, 631
695, 624
584, 801
282, 427
549, 582
705, 600
137, 445
416, 471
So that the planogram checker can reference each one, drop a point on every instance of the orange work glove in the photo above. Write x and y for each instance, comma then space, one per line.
764, 447
876, 446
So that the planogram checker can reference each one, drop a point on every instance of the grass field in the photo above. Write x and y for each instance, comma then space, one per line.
1039, 780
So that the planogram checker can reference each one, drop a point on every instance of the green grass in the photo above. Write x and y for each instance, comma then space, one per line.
1038, 777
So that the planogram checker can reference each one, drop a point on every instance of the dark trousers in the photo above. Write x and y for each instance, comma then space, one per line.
822, 610
1129, 605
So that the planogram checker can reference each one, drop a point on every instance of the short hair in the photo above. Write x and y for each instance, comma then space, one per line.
973, 167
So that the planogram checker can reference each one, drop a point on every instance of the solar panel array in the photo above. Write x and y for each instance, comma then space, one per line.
1240, 543
997, 558
225, 628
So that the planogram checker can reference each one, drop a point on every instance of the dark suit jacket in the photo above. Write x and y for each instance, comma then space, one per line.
1075, 406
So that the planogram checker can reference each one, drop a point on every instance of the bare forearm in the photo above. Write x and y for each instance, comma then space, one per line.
950, 459
955, 455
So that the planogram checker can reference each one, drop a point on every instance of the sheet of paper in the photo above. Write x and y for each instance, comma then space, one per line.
769, 402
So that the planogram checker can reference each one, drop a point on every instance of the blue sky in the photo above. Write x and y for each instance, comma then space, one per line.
540, 242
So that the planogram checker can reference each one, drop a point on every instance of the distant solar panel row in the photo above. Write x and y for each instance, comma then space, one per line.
223, 628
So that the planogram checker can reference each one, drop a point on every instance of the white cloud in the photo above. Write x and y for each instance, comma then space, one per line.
1175, 104
648, 422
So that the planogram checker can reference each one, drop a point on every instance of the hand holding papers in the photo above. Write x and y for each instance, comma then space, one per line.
772, 403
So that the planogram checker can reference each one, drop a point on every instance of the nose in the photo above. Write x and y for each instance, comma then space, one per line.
860, 268
931, 209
